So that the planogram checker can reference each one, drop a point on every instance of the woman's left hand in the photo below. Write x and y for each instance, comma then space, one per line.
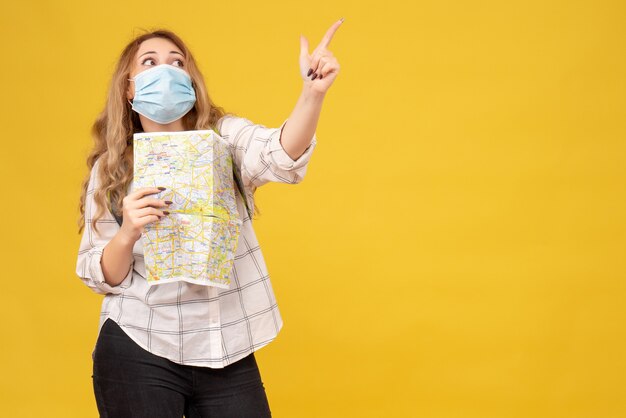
320, 68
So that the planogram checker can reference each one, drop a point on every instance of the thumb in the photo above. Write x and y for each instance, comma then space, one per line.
304, 46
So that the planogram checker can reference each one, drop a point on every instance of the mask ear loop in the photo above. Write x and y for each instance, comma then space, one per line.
130, 141
128, 100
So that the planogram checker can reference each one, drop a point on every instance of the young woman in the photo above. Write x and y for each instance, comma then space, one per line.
182, 348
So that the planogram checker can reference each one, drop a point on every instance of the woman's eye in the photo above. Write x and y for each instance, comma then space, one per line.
180, 62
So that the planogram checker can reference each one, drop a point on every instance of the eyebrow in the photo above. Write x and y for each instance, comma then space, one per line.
154, 52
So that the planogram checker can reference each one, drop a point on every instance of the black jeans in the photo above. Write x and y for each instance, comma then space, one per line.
129, 381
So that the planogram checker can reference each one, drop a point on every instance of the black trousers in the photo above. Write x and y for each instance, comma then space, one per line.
129, 381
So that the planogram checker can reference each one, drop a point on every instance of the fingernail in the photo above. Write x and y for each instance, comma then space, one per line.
314, 76
320, 76
166, 212
161, 188
341, 19
168, 202
310, 71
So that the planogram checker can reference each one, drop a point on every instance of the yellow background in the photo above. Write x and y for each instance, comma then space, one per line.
456, 248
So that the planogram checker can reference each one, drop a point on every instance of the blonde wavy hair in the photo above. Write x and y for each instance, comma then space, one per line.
114, 127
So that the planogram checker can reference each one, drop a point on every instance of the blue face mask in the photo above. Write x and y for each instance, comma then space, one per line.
163, 93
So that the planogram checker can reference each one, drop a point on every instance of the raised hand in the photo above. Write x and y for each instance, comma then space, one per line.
320, 68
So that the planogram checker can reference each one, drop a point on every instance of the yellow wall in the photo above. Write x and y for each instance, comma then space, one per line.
455, 250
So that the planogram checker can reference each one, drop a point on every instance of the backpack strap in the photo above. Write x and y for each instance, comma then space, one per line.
241, 189
119, 219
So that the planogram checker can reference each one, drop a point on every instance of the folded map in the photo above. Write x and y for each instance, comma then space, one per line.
196, 242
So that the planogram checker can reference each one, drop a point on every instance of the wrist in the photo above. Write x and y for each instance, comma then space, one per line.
310, 93
125, 239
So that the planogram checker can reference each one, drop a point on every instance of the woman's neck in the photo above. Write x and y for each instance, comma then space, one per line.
152, 126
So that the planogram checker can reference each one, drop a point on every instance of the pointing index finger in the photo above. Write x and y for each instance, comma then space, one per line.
329, 33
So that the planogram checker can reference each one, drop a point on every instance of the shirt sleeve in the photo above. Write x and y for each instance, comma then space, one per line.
259, 155
92, 244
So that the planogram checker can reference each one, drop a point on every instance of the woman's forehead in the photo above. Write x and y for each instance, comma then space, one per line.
157, 45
